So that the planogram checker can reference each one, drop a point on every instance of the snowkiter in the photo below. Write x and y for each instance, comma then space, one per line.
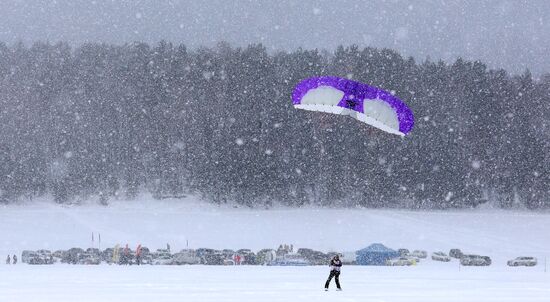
335, 265
8, 261
15, 259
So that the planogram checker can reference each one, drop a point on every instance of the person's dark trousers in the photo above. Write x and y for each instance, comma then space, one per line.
336, 275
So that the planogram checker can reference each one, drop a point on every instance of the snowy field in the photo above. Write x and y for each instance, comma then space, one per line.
500, 234
442, 282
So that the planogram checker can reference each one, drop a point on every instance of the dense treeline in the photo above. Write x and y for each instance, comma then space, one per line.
104, 121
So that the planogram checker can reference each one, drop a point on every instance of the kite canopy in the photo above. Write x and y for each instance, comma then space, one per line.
365, 103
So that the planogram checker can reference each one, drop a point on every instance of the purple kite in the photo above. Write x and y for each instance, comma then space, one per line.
365, 103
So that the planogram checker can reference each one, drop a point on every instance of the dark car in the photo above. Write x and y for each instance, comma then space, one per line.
40, 257
403, 252
228, 254
58, 255
455, 253
475, 260
89, 258
127, 256
107, 255
72, 255
210, 256
46, 256
93, 251
248, 256
145, 257
35, 259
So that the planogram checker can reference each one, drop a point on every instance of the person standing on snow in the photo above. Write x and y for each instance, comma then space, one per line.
335, 265
8, 261
15, 259
138, 255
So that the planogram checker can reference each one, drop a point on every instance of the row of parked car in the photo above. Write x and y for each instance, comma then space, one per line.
281, 257
412, 258
126, 256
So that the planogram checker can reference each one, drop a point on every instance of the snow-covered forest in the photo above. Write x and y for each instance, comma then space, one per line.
103, 121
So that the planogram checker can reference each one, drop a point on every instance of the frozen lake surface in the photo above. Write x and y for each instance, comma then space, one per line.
435, 282
502, 235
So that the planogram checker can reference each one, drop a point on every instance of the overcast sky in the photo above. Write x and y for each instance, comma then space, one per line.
508, 34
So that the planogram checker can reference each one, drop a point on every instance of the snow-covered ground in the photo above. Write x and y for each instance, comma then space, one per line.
437, 283
500, 234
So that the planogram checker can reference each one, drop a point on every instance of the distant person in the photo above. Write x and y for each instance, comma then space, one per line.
8, 261
15, 259
138, 255
125, 255
335, 265
237, 259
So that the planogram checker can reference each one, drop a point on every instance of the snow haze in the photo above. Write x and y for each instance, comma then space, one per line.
513, 35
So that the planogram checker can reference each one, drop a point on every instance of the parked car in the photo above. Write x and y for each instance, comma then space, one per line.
145, 251
403, 252
187, 256
213, 258
266, 256
475, 260
89, 258
455, 253
523, 261
440, 256
162, 257
248, 256
93, 251
419, 254
145, 257
314, 257
401, 261
210, 256
25, 255
34, 259
228, 262
228, 253
72, 255
291, 259
58, 255
40, 257
162, 260
107, 255
201, 252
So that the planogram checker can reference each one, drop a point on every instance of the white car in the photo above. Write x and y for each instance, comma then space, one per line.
523, 261
162, 258
185, 257
440, 256
419, 254
401, 261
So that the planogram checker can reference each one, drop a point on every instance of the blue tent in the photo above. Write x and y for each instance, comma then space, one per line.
375, 254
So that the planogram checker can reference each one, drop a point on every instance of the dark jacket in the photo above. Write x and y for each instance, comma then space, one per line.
335, 265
